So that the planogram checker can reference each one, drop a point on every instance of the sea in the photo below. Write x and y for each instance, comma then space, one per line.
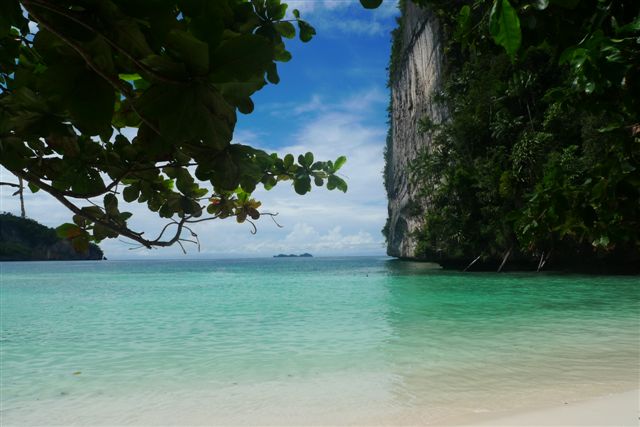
304, 341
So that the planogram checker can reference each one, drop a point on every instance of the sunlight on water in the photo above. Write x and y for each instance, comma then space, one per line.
283, 340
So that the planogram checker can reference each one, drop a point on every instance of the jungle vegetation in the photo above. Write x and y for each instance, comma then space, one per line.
540, 153
23, 239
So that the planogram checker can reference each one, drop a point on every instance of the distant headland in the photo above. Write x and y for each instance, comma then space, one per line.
23, 239
304, 255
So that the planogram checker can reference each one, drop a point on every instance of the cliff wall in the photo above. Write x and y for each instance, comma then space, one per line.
415, 77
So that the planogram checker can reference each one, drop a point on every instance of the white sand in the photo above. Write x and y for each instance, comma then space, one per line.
621, 409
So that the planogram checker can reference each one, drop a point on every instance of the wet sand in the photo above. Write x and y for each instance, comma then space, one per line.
613, 410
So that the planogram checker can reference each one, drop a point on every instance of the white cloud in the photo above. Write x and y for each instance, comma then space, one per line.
359, 102
305, 237
347, 16
315, 104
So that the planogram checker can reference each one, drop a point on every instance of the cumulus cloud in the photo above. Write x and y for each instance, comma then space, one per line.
341, 17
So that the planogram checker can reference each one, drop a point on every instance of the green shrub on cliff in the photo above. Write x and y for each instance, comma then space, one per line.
541, 151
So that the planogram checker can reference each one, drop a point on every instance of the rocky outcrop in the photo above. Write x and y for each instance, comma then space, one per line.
23, 239
416, 77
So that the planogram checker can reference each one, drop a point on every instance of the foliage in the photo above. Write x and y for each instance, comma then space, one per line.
175, 72
394, 64
541, 150
25, 239
396, 41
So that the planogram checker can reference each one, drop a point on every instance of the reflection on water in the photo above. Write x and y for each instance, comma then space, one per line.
282, 340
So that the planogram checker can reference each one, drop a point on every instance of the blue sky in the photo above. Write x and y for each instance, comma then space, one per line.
332, 101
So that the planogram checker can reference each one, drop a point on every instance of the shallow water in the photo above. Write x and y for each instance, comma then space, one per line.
303, 341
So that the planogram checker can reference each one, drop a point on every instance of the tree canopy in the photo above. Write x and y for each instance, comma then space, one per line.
75, 73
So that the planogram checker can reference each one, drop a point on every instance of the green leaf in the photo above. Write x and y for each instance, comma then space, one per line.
245, 106
332, 182
308, 158
302, 185
130, 77
80, 244
630, 27
80, 220
240, 58
296, 13
189, 112
269, 182
336, 182
504, 26
68, 231
34, 188
306, 31
111, 204
285, 29
130, 193
281, 54
464, 21
340, 161
238, 93
272, 74
184, 181
370, 4
603, 242
165, 66
194, 52
276, 10
288, 161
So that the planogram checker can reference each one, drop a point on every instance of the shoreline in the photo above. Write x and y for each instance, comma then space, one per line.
615, 409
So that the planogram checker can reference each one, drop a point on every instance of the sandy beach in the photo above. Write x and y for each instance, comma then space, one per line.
622, 409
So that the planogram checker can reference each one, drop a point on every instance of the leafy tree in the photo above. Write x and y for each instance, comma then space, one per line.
75, 73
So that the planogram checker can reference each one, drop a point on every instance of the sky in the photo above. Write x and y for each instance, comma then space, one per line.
332, 101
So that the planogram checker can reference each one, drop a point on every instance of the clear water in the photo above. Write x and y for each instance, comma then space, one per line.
304, 341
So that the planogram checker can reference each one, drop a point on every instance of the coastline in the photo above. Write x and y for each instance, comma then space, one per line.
616, 409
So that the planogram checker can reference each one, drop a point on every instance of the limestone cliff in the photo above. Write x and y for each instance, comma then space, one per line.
415, 77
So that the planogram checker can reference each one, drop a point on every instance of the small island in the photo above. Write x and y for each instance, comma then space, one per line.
304, 255
23, 239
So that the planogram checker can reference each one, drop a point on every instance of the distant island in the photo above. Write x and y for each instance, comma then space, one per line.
304, 255
23, 239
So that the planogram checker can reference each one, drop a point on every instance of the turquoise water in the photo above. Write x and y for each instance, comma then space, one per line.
304, 341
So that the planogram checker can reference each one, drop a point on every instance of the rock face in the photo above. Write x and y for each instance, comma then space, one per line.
416, 78
25, 240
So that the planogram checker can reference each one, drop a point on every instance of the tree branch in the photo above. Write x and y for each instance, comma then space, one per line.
10, 184
123, 231
30, 176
